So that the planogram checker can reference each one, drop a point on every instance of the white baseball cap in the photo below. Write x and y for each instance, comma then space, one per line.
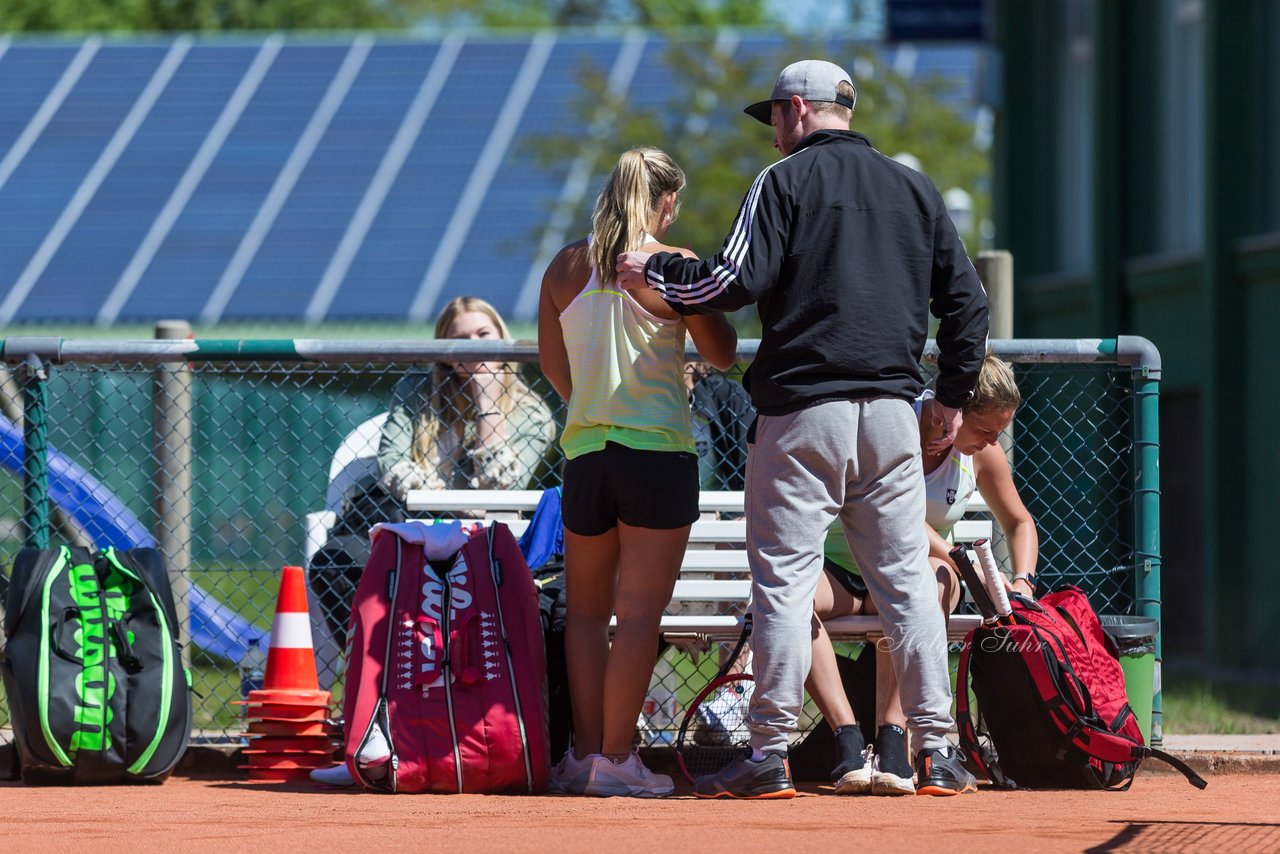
811, 79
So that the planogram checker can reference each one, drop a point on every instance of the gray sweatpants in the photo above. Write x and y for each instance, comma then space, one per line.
859, 460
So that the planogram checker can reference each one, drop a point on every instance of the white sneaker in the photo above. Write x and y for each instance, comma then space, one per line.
888, 783
627, 779
338, 776
374, 757
859, 780
569, 776
376, 748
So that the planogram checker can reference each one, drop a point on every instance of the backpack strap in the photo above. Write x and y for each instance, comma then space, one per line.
964, 720
1109, 747
979, 758
1192, 777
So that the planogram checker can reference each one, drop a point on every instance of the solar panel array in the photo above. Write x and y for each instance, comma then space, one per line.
274, 178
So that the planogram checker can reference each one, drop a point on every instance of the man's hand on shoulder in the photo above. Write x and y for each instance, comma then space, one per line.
630, 268
949, 420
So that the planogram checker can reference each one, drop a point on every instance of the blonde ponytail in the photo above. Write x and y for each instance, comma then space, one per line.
627, 203
997, 389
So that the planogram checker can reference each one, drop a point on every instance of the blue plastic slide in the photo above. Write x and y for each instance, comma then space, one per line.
106, 521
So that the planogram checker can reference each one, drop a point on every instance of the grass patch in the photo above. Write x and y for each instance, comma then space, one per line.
1195, 703
215, 687
251, 593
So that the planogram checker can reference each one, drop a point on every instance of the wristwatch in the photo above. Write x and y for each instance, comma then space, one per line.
1027, 577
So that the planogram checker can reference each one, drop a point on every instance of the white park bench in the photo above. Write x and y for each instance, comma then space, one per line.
714, 569
714, 585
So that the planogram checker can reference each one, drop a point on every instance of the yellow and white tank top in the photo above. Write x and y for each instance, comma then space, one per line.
627, 367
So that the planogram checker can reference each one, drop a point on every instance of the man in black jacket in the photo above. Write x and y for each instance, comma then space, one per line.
845, 253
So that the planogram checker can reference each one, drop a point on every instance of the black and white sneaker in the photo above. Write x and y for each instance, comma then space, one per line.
941, 772
768, 778
852, 774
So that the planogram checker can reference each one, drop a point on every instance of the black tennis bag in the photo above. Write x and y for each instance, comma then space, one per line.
93, 674
1051, 701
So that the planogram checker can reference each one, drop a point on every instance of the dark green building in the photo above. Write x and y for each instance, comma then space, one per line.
1138, 188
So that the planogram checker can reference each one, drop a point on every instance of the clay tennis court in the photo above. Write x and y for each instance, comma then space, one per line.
190, 815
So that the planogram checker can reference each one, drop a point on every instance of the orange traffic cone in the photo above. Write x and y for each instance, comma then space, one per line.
290, 697
291, 660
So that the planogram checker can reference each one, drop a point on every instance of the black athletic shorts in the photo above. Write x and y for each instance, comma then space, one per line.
853, 583
645, 489
850, 581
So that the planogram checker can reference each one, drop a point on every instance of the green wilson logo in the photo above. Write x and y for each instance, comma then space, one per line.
94, 685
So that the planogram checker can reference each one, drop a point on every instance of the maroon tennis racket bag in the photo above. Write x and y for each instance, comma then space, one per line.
1051, 700
445, 680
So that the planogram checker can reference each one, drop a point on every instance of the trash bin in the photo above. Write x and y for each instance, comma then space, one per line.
1136, 638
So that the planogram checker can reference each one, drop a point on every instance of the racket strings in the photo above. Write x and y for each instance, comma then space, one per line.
714, 731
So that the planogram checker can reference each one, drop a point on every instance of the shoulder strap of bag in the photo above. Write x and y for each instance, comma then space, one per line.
975, 754
1192, 777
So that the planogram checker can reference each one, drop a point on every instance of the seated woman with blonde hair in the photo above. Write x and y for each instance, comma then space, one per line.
465, 425
972, 462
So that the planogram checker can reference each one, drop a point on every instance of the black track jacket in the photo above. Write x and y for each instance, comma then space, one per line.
846, 252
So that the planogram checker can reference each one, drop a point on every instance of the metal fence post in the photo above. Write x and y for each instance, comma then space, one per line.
1143, 359
995, 269
171, 448
35, 453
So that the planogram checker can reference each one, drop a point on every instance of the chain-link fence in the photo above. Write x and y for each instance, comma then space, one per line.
236, 458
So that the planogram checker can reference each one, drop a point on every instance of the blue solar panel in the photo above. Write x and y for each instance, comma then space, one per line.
47, 178
300, 245
121, 213
217, 203
204, 239
29, 73
396, 255
504, 242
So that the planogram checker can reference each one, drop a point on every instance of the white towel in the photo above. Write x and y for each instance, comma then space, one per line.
438, 541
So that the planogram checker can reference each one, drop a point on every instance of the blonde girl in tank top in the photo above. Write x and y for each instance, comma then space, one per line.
630, 488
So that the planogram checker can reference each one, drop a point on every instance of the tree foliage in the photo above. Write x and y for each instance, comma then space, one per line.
657, 14
701, 124
124, 16
214, 15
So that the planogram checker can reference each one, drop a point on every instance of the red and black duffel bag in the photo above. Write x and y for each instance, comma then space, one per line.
446, 670
1052, 710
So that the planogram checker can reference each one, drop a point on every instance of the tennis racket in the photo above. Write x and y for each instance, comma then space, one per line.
977, 587
995, 583
714, 726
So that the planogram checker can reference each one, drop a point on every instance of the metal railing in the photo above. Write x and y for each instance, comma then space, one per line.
216, 451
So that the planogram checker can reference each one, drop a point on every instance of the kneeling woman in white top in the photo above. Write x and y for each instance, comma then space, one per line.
973, 461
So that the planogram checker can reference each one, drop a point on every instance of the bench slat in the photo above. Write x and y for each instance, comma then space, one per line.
715, 560
735, 530
526, 500
711, 590
840, 628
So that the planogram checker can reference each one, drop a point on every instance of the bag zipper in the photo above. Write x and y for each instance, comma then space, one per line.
105, 616
496, 571
166, 654
446, 669
383, 705
42, 678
